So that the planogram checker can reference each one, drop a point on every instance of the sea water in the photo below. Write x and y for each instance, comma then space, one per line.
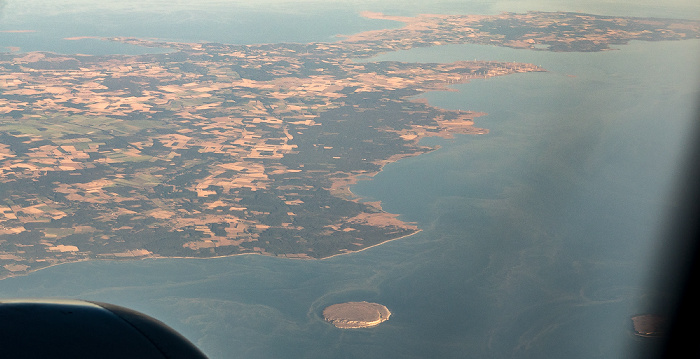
562, 202
536, 241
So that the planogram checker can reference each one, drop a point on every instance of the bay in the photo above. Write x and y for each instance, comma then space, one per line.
46, 24
41, 25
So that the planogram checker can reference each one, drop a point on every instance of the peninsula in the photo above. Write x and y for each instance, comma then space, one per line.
214, 150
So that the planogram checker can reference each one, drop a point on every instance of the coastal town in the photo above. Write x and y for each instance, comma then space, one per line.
210, 150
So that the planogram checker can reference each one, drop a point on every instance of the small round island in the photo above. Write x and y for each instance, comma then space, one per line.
356, 314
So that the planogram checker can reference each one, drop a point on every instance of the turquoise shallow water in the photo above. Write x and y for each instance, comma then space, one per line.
536, 240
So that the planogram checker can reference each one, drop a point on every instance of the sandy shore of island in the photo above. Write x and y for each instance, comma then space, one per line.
353, 315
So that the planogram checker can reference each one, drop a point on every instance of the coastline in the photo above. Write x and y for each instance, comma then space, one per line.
341, 187
207, 258
256, 158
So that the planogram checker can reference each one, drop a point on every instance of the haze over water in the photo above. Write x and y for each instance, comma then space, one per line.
537, 236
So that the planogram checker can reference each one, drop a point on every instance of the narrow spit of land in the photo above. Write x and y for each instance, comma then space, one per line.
214, 150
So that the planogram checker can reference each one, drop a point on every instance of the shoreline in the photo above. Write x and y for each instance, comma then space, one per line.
427, 123
207, 258
340, 187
